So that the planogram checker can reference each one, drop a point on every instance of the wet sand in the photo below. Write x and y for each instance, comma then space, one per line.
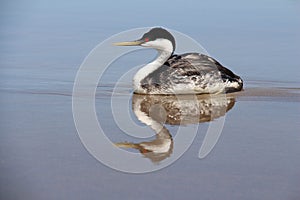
269, 94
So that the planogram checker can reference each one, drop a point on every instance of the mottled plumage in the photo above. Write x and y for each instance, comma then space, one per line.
190, 73
192, 70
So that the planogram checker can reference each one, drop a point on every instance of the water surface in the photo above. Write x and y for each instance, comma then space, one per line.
42, 46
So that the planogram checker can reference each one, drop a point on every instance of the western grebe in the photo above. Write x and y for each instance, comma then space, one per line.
189, 73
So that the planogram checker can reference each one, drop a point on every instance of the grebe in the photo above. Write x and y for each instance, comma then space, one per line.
189, 73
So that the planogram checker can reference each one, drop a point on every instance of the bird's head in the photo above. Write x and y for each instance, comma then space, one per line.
157, 38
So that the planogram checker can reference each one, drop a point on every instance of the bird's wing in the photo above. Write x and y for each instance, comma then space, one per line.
200, 64
178, 67
193, 62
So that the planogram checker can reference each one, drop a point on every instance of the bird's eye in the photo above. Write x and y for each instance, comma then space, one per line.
146, 39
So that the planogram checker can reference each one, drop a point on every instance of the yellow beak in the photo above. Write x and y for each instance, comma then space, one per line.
132, 43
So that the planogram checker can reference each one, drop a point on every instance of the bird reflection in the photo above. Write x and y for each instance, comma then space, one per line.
156, 111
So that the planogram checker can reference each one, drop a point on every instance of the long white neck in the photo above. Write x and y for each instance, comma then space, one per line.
164, 53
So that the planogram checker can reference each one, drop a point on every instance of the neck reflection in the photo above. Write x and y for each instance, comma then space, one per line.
156, 111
